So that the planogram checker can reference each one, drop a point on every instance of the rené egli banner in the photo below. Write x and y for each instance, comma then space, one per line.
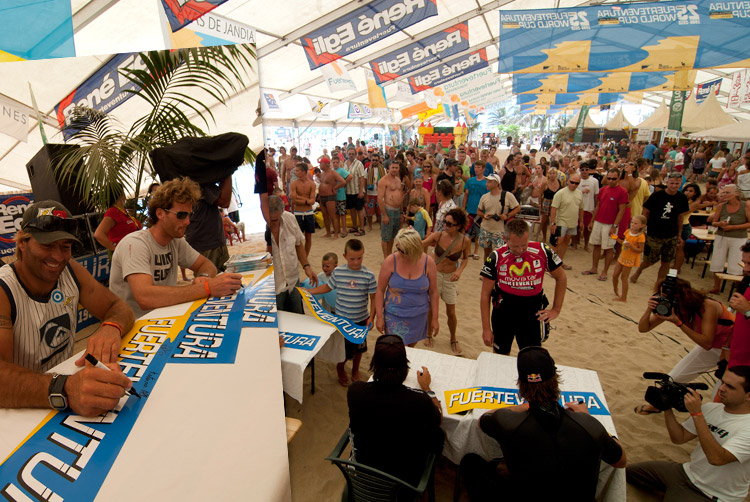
352, 332
636, 37
424, 52
448, 70
491, 398
362, 27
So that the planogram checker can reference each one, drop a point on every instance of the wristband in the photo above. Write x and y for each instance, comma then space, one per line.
699, 414
114, 325
208, 289
305, 265
679, 325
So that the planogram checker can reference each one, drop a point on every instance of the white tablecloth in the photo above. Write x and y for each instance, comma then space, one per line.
330, 348
463, 434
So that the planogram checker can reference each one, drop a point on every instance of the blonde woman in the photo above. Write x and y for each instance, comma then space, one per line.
407, 286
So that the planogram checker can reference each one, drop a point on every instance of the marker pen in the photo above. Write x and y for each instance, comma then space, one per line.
98, 364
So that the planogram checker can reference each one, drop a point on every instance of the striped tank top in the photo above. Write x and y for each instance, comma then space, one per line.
43, 327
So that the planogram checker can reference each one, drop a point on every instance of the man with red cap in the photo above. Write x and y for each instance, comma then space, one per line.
563, 445
39, 297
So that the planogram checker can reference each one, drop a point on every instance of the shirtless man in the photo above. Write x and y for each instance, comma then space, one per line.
288, 167
330, 182
390, 199
303, 197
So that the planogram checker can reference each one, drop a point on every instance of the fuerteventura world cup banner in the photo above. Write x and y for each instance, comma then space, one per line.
637, 37
491, 398
352, 332
448, 70
362, 27
422, 53
554, 83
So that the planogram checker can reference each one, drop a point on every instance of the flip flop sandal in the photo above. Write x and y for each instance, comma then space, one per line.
641, 410
455, 348
588, 272
602, 278
428, 342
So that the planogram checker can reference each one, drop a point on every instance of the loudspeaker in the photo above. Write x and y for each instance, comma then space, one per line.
44, 183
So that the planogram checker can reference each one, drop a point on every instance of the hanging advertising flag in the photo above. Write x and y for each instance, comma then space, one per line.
422, 53
362, 27
412, 110
181, 12
375, 96
578, 135
337, 77
477, 88
653, 36
540, 83
357, 111
706, 88
739, 84
430, 113
14, 119
212, 30
320, 107
36, 29
448, 70
403, 92
676, 107
104, 91
269, 101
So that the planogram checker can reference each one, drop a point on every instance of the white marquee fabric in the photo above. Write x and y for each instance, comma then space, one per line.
707, 115
739, 131
618, 122
657, 120
587, 122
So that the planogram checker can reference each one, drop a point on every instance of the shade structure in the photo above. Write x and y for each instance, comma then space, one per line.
618, 122
739, 131
588, 122
657, 120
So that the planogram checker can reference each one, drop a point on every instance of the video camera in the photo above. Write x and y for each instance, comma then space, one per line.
666, 301
666, 393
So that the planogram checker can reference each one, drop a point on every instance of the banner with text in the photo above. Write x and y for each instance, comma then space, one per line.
478, 88
104, 91
357, 111
352, 332
211, 30
14, 119
739, 92
181, 12
362, 27
448, 70
676, 108
491, 398
653, 36
424, 52
706, 88
337, 77
12, 207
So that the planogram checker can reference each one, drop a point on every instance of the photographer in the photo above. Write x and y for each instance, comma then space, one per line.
706, 321
719, 467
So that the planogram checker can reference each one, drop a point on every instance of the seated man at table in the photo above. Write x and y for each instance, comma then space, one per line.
145, 263
39, 297
548, 449
719, 467
394, 427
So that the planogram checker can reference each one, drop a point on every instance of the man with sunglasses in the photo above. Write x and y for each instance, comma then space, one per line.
39, 297
566, 215
145, 264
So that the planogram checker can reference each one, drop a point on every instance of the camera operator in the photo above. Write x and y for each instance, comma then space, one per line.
739, 353
706, 321
719, 467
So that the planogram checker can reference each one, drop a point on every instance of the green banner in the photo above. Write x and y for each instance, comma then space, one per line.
676, 107
578, 136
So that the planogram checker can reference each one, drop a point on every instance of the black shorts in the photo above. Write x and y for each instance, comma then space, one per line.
306, 223
351, 349
516, 317
354, 201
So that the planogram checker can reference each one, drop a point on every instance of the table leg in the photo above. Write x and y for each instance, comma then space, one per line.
312, 376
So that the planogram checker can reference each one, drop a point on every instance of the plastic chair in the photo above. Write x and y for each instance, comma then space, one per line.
367, 484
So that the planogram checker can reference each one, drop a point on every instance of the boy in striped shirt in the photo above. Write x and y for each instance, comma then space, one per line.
353, 283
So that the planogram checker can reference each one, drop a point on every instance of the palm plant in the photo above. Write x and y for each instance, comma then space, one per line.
173, 85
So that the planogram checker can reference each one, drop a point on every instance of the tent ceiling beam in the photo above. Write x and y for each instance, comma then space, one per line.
89, 12
14, 184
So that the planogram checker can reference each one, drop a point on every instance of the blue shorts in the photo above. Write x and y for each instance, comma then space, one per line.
388, 232
306, 222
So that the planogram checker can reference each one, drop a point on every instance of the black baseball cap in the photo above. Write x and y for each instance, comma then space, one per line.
49, 221
390, 352
535, 365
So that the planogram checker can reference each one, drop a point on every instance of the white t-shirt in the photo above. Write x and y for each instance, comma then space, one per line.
728, 482
717, 164
589, 199
679, 159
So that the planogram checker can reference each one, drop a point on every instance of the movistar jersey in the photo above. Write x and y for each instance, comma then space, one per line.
520, 275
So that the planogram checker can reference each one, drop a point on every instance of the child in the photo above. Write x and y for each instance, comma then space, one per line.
327, 300
283, 197
630, 256
421, 221
353, 283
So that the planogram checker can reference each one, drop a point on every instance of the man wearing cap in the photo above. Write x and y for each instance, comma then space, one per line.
394, 427
495, 208
547, 448
145, 263
39, 299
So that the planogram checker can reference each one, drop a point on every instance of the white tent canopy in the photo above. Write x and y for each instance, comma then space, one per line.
707, 115
618, 122
587, 122
657, 120
739, 131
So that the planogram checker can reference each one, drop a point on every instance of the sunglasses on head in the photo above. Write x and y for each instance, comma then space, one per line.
181, 215
49, 223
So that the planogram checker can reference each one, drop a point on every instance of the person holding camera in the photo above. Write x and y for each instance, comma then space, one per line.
719, 467
495, 208
704, 320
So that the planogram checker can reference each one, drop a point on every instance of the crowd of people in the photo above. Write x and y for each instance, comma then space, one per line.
628, 201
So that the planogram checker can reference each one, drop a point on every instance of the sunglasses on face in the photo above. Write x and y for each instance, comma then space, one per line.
181, 215
450, 224
574, 182
611, 179
49, 223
